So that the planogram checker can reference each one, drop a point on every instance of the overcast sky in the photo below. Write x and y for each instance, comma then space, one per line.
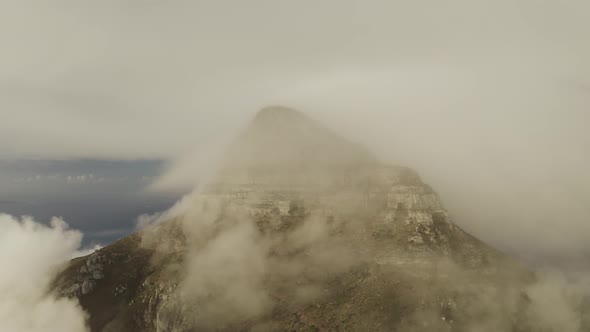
488, 100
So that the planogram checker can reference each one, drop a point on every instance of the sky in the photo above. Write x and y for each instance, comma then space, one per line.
101, 197
487, 100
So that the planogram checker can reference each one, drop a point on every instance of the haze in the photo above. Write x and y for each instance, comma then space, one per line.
487, 100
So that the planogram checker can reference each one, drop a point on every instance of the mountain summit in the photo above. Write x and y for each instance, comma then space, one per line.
281, 139
301, 230
276, 113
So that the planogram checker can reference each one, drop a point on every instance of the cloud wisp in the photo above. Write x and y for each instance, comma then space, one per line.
31, 254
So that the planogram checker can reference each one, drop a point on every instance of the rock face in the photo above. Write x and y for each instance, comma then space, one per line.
90, 271
301, 230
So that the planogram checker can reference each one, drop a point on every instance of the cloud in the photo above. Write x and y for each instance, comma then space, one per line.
235, 260
206, 75
54, 178
557, 302
30, 255
551, 302
86, 252
231, 266
83, 179
488, 100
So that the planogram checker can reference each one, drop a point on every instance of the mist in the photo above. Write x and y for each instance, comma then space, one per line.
486, 100
240, 250
31, 254
235, 259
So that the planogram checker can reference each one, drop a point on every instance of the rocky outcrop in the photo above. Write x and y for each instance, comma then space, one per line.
90, 272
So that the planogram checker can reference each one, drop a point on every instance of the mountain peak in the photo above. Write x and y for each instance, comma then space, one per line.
281, 118
282, 139
277, 112
296, 213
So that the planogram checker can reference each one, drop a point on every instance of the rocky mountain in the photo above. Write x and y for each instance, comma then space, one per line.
301, 230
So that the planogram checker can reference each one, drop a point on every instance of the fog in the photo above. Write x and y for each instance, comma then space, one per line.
31, 254
241, 265
487, 100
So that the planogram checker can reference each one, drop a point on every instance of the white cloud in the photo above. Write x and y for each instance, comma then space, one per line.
70, 179
30, 255
83, 178
487, 99
556, 301
86, 252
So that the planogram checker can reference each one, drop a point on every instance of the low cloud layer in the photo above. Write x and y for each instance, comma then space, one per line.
243, 240
487, 100
31, 254
232, 270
